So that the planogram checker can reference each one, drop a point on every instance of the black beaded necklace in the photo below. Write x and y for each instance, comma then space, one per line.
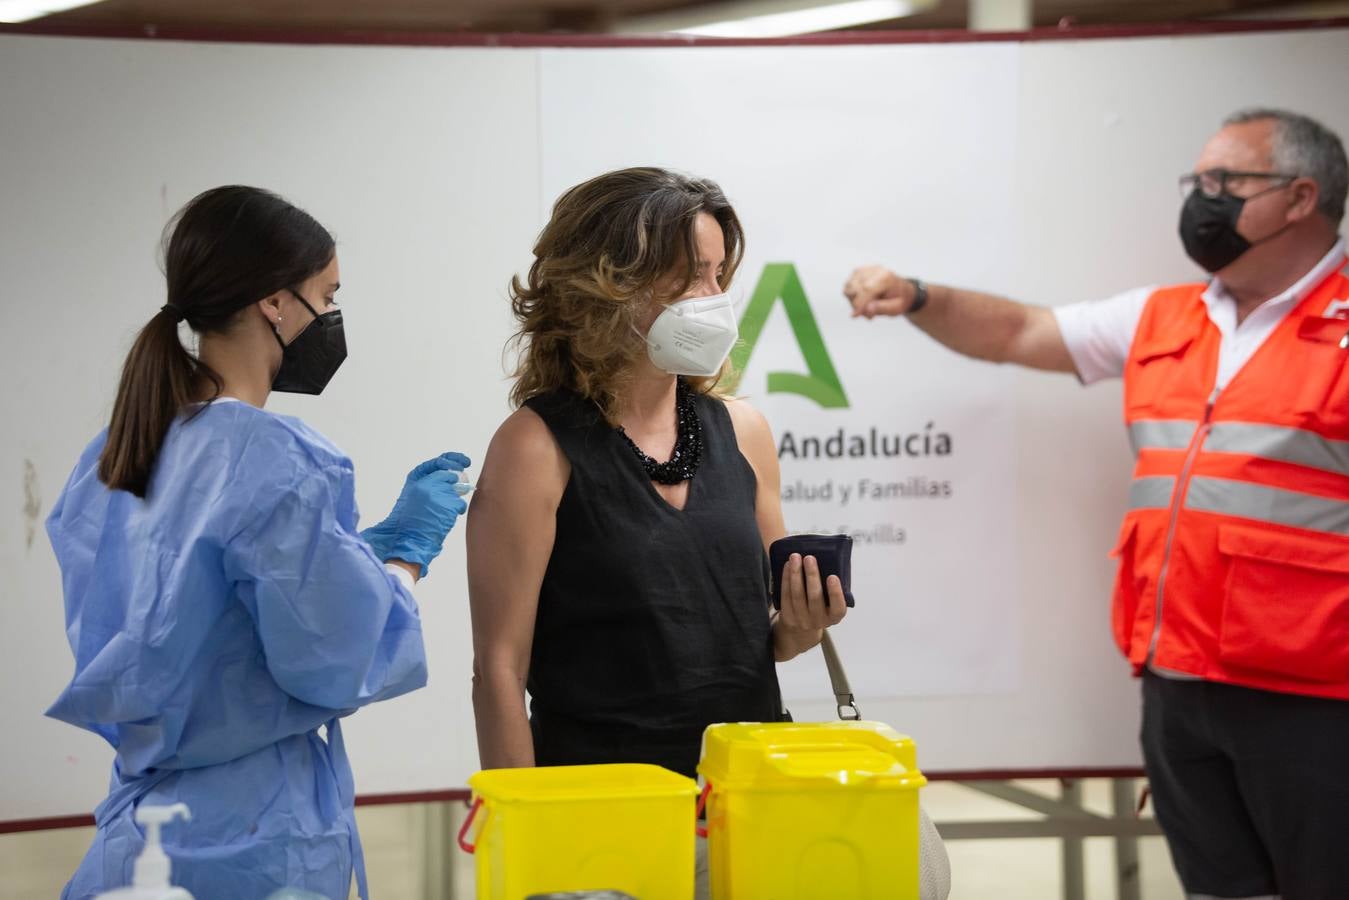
688, 448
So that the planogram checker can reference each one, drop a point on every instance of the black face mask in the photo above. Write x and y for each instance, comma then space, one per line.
1208, 229
309, 361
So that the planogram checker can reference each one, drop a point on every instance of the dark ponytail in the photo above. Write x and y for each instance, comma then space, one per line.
158, 379
225, 250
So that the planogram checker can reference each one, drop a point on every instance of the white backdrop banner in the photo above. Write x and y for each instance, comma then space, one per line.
881, 435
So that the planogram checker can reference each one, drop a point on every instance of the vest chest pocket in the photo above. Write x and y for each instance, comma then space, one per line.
1286, 603
1156, 370
1321, 382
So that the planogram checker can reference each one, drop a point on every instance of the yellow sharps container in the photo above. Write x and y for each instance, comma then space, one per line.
582, 828
802, 810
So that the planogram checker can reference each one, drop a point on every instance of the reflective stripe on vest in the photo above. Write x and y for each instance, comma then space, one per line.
1291, 445
1267, 504
1245, 500
1272, 442
1161, 434
1153, 492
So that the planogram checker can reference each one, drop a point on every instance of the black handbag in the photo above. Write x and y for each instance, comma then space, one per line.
833, 553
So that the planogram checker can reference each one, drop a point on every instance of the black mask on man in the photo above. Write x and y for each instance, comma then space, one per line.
1208, 229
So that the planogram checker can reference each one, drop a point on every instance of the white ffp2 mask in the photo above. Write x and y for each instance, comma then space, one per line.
693, 336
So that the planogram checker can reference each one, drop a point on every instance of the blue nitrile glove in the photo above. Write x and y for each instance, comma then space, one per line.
426, 510
446, 462
450, 460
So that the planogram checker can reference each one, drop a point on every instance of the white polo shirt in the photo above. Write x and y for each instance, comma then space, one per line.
1099, 333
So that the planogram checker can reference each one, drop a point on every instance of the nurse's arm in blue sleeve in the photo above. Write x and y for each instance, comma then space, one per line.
338, 630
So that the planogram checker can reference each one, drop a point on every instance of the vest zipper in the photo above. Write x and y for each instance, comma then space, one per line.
1177, 499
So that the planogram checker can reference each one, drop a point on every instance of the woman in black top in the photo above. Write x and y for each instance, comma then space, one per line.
617, 565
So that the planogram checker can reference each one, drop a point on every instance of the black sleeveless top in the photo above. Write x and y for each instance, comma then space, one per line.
652, 621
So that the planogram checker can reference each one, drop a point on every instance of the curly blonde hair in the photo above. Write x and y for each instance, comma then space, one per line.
614, 243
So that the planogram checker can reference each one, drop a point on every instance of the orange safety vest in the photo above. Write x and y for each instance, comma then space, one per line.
1234, 554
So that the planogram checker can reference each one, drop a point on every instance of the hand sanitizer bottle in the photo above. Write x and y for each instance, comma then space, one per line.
151, 879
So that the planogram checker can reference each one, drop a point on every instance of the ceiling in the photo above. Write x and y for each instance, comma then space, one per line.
574, 15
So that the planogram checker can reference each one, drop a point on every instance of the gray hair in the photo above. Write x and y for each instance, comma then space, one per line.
1303, 146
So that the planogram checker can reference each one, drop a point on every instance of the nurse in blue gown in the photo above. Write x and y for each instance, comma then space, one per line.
223, 610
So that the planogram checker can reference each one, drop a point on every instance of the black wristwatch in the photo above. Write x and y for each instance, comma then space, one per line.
919, 296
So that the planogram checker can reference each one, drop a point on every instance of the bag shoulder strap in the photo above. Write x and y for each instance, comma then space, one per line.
838, 681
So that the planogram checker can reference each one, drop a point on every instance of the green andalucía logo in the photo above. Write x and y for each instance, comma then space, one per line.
820, 382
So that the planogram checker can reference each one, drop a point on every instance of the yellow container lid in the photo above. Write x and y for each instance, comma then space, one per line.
618, 781
806, 754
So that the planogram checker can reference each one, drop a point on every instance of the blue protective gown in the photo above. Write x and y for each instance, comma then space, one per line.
217, 626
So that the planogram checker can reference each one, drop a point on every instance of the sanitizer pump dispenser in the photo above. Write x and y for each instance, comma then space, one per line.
151, 879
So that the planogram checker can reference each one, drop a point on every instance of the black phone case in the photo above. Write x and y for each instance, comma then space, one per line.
832, 551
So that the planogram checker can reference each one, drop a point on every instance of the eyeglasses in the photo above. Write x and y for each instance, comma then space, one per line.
1215, 182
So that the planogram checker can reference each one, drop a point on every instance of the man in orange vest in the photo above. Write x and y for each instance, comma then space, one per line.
1232, 593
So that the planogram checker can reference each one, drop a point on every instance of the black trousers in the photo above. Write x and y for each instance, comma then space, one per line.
1251, 788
